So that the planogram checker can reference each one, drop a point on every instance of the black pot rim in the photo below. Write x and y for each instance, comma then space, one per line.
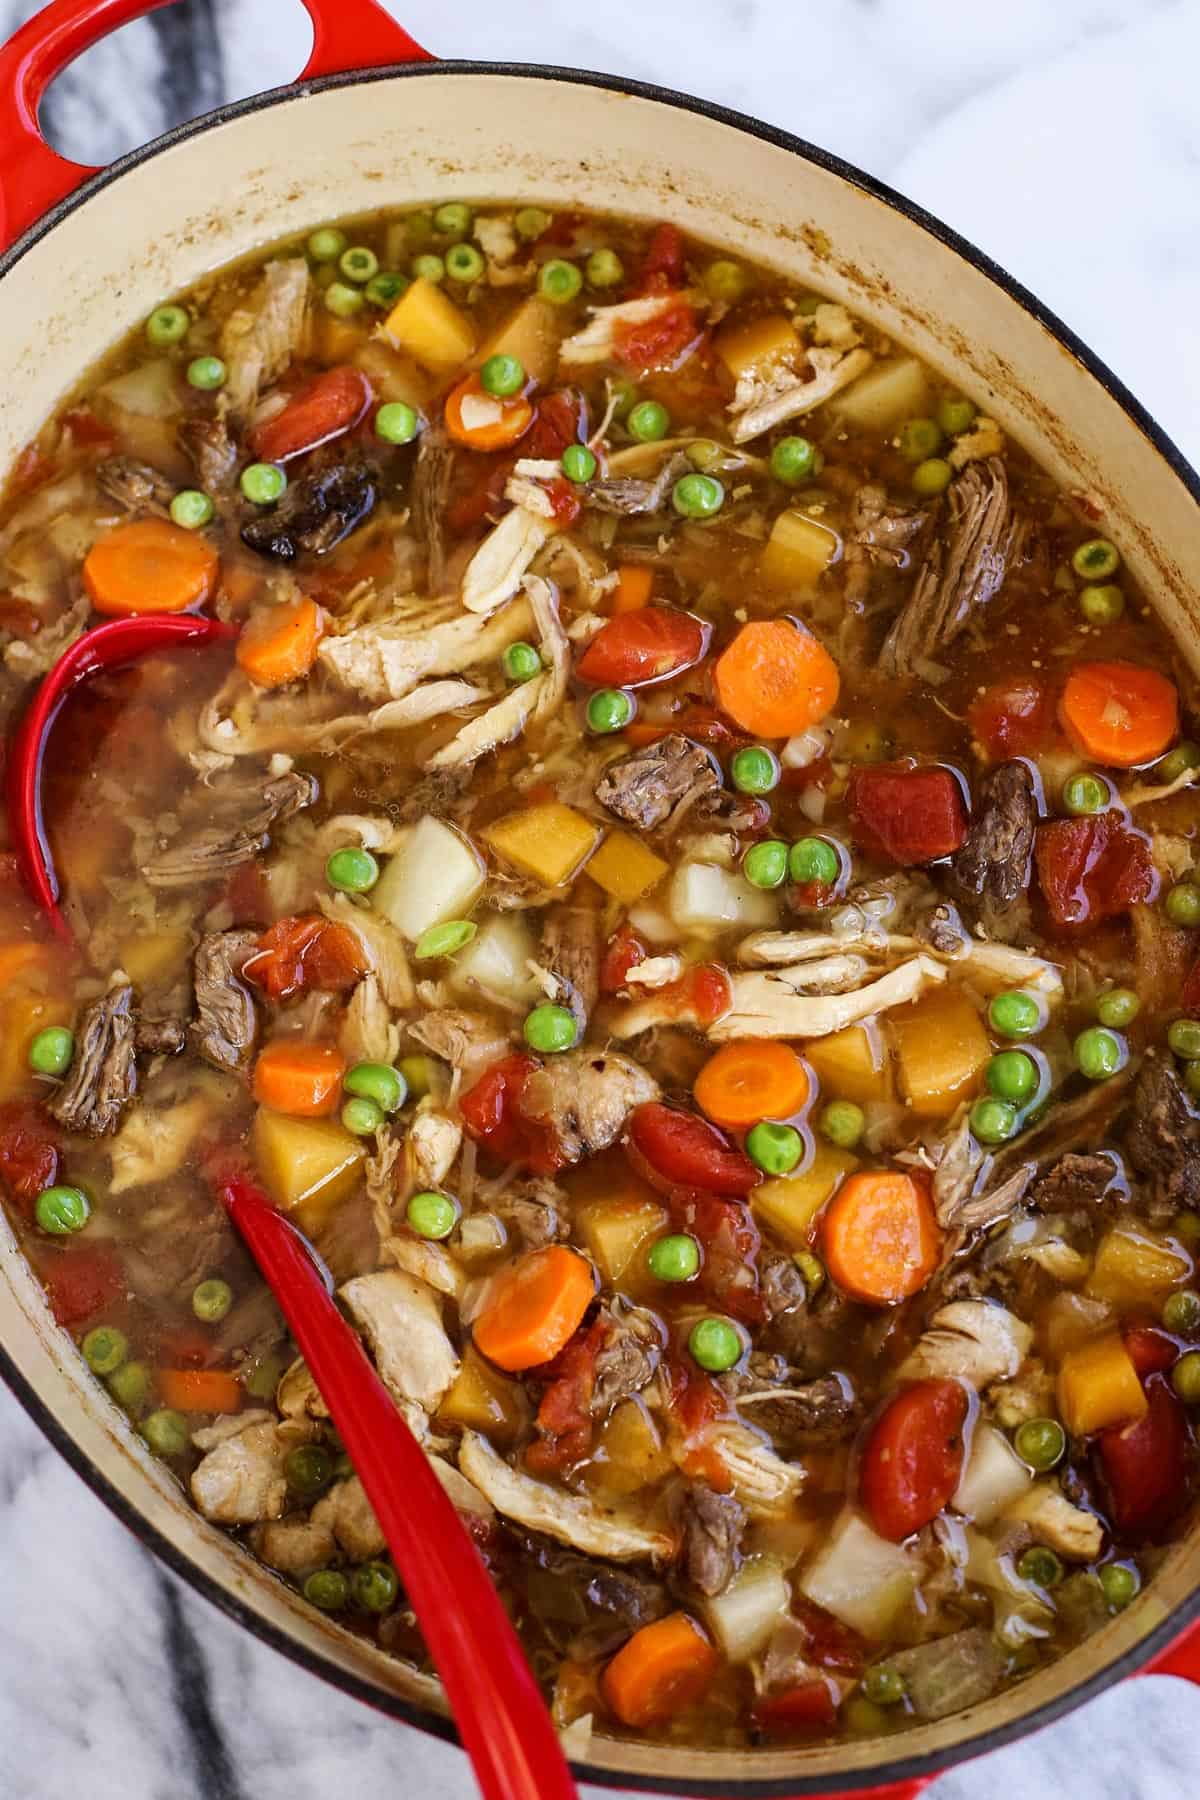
900, 1768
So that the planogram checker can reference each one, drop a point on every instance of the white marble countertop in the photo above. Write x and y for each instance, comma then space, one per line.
1063, 137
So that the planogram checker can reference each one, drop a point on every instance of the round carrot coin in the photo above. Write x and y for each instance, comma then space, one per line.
149, 565
776, 679
1119, 712
880, 1236
746, 1082
533, 1308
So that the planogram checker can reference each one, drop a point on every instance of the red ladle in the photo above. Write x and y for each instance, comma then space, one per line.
501, 1716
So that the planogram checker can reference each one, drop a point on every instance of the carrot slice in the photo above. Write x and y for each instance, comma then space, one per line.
1119, 713
533, 1307
278, 644
299, 1078
881, 1237
479, 421
776, 679
663, 1668
149, 565
744, 1083
635, 584
200, 1390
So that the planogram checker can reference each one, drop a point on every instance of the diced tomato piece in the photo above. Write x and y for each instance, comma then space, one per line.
729, 1238
1151, 1352
909, 815
913, 1459
327, 406
28, 1155
1147, 1466
695, 1401
679, 1149
624, 951
302, 953
561, 420
491, 1112
639, 647
82, 1282
89, 432
809, 1708
831, 1644
1092, 869
564, 500
1014, 718
700, 997
564, 1416
661, 343
663, 265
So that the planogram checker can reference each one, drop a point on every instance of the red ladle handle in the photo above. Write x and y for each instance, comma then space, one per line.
347, 34
501, 1716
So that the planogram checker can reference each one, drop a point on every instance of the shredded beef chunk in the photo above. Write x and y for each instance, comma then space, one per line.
245, 817
226, 1026
102, 1079
629, 495
317, 512
648, 787
570, 950
949, 1673
962, 574
429, 492
160, 1037
464, 1039
1077, 1179
211, 451
534, 1213
1163, 1140
991, 871
622, 1595
586, 1098
783, 1286
797, 1415
629, 1356
713, 1527
134, 485
879, 537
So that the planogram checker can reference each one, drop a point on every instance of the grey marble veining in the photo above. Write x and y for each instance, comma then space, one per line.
1062, 136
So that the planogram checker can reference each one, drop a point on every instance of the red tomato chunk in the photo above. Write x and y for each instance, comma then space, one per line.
677, 1149
1147, 1466
491, 1112
299, 954
82, 1282
914, 1457
811, 1707
643, 646
1092, 869
1013, 719
910, 816
322, 410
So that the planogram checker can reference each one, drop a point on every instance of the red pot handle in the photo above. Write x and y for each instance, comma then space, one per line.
1180, 1658
347, 34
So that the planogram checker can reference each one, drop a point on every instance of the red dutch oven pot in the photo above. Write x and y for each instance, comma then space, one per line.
374, 121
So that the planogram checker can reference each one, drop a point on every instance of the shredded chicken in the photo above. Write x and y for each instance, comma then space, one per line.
762, 1481
1075, 1535
382, 946
259, 340
619, 1534
596, 342
385, 660
154, 1142
497, 569
527, 703
401, 1319
972, 1341
240, 1479
777, 1005
762, 402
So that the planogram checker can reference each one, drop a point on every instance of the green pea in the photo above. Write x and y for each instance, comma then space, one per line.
1096, 560
432, 1215
775, 1149
1118, 1007
1183, 1037
765, 865
1042, 1443
1185, 1378
812, 1269
1121, 1583
416, 1073
716, 1344
698, 496
362, 1117
262, 1378
578, 462
396, 423
327, 1589
453, 219
1011, 1075
343, 301
50, 1052
129, 1386
794, 460
429, 268
1016, 1014
956, 414
1182, 904
725, 281
705, 455
993, 1121
604, 269
755, 769
1101, 605
674, 1258
1040, 1566
374, 1586
263, 483
1100, 1053
521, 662
531, 222
308, 1470
464, 263
212, 1299
378, 1082
167, 1432
933, 476
609, 709
167, 325
358, 264
551, 1029
862, 1717
386, 288
1085, 794
62, 1210
883, 1685
353, 870
191, 508
206, 373
446, 939
814, 859
842, 1123
502, 376
648, 422
1178, 761
919, 439
1181, 1312
559, 281
326, 245
105, 1349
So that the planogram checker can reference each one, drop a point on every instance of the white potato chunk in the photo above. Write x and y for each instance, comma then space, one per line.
705, 897
497, 961
994, 1477
436, 874
861, 1578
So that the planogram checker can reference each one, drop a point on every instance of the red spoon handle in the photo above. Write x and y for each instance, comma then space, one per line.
499, 1710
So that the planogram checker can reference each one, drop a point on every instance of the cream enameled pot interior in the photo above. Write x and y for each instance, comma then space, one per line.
274, 167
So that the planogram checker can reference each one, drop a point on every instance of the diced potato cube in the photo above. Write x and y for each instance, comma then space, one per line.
885, 395
746, 1615
497, 960
753, 347
1098, 1386
941, 1050
393, 375
427, 323
548, 842
860, 1578
149, 958
705, 897
852, 1064
305, 1162
482, 1399
532, 334
1070, 1320
614, 1231
994, 1477
1133, 1268
790, 1203
336, 340
628, 1453
436, 874
798, 551
625, 868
